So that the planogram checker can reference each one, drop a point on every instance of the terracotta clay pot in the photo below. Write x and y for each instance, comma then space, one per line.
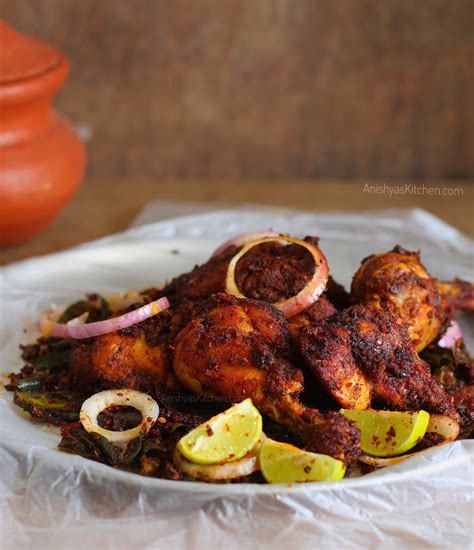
41, 157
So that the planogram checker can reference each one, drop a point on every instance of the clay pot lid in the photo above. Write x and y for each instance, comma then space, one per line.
22, 57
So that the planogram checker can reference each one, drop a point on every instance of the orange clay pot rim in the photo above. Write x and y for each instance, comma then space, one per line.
61, 59
17, 91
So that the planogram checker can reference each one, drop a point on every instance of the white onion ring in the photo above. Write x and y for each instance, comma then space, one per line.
442, 425
307, 296
220, 472
242, 239
451, 336
93, 406
79, 331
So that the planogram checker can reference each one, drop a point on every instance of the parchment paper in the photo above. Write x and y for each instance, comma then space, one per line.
53, 500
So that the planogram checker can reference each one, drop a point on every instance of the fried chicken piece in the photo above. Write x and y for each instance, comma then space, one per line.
337, 295
271, 272
464, 402
321, 309
136, 358
239, 348
458, 293
362, 353
397, 282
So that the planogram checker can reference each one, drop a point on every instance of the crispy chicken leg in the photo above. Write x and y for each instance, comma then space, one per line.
362, 353
239, 348
398, 282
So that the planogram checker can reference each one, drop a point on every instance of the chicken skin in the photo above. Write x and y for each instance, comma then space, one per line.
398, 282
239, 348
459, 294
137, 358
321, 309
362, 353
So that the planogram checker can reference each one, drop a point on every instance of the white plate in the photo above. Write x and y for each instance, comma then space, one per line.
146, 256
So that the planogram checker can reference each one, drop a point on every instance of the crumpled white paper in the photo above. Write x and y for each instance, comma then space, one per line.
52, 500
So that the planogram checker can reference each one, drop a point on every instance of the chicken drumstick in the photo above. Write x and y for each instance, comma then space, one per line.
239, 348
398, 282
362, 353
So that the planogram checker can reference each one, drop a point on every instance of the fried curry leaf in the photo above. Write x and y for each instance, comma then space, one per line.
110, 453
53, 360
450, 366
96, 447
97, 308
133, 450
30, 384
78, 441
119, 419
55, 407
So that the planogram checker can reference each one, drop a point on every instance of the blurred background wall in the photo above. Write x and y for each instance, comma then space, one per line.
265, 88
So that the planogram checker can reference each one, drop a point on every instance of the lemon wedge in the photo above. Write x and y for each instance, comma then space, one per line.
225, 437
388, 433
284, 463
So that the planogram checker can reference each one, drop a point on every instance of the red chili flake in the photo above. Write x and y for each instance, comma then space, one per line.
209, 431
390, 434
120, 394
376, 440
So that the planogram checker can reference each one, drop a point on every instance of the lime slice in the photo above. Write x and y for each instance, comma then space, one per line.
284, 463
225, 437
388, 433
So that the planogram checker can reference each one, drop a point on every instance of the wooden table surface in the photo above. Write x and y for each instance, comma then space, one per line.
103, 207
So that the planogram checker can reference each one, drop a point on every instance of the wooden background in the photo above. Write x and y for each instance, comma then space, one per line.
265, 89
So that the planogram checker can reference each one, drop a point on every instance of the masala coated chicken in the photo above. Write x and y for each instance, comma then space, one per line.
136, 358
139, 358
362, 353
397, 282
270, 272
239, 348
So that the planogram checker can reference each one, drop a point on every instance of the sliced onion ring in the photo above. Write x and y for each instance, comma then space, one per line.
307, 296
242, 239
220, 472
93, 406
79, 331
451, 336
442, 425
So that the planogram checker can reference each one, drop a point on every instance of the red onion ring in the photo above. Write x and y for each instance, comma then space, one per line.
305, 297
242, 239
451, 336
79, 331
